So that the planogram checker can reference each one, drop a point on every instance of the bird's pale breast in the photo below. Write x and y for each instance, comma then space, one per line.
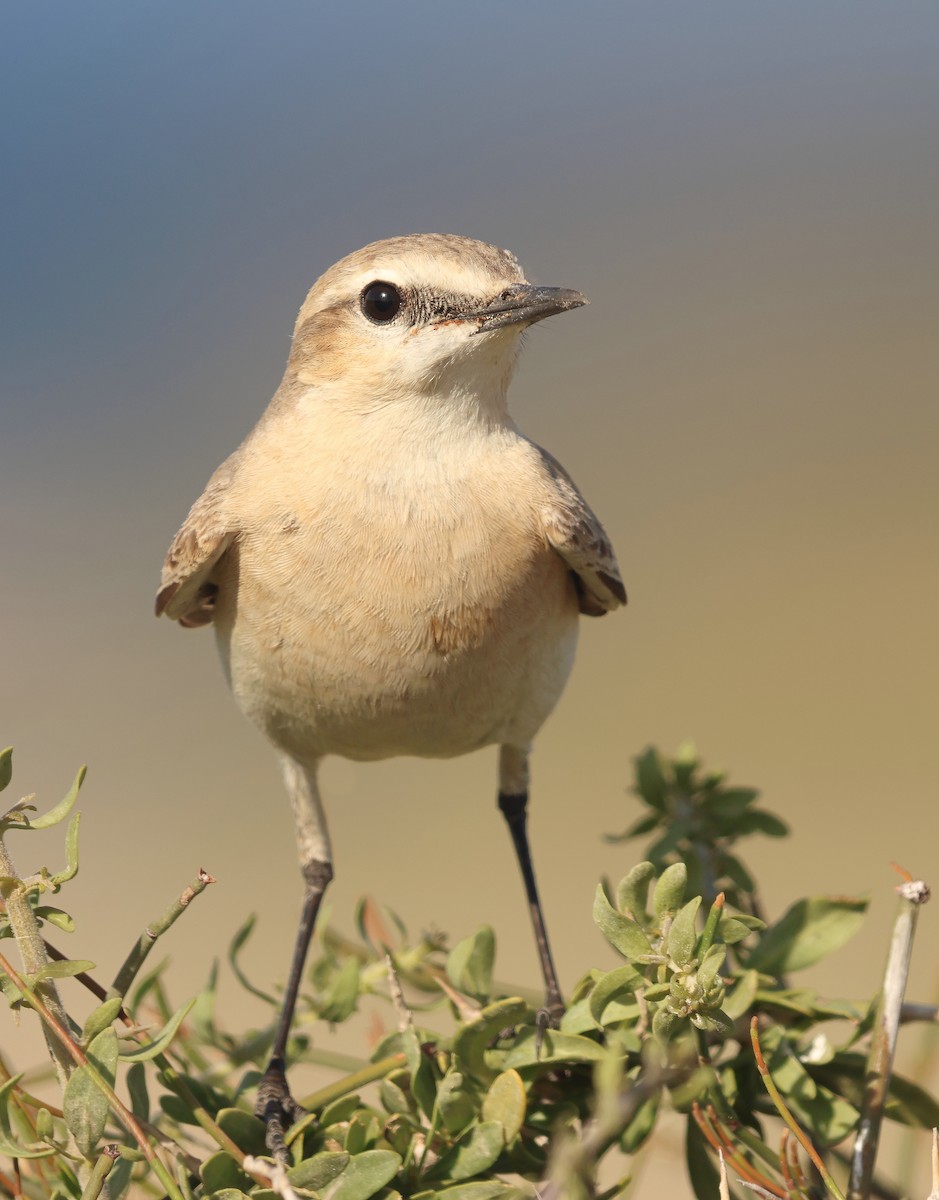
422, 614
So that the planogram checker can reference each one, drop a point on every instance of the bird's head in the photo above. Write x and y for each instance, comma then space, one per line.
419, 316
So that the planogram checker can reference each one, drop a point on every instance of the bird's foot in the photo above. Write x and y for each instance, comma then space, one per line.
277, 1109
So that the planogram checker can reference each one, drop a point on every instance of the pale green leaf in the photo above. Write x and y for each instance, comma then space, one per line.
160, 1040
506, 1102
365, 1175
469, 964
71, 855
623, 934
807, 932
316, 1172
100, 1018
220, 1171
683, 936
85, 1105
55, 916
669, 890
61, 969
62, 809
623, 981
555, 1047
475, 1152
633, 891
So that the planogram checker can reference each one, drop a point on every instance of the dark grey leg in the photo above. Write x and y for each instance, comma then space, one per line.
275, 1105
513, 804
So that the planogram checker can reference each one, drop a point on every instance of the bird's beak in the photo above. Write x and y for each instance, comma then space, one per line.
523, 304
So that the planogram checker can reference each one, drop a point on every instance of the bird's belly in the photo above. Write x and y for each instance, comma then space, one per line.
390, 652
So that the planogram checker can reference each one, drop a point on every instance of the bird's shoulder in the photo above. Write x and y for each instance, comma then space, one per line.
574, 531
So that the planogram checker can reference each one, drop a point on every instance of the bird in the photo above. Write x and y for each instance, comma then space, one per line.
390, 565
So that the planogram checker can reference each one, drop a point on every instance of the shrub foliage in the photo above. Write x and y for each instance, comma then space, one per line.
470, 1098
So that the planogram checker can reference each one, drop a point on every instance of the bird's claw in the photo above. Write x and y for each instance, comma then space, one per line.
548, 1017
277, 1109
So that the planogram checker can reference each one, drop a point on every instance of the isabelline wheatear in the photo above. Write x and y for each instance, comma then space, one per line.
391, 567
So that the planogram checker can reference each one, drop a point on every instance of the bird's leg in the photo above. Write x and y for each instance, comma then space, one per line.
513, 803
275, 1105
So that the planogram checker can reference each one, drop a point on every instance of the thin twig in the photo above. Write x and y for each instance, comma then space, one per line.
135, 959
913, 894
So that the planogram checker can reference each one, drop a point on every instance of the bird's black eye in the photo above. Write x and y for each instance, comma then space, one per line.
381, 302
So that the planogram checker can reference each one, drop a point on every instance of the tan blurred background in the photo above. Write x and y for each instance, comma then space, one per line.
747, 193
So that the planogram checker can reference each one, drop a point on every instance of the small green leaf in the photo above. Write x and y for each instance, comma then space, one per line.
365, 1175
469, 965
637, 829
362, 1131
84, 1105
759, 821
61, 969
475, 1152
6, 767
14, 1150
669, 890
731, 931
393, 1099
555, 1047
683, 936
481, 1189
340, 1110
807, 932
136, 1078
506, 1102
740, 998
71, 855
623, 981
316, 1172
6, 1092
729, 802
623, 934
423, 1080
63, 808
711, 966
714, 1020
633, 891
221, 1171
100, 1018
234, 949
55, 916
456, 1104
650, 778
160, 1040
341, 998
245, 1129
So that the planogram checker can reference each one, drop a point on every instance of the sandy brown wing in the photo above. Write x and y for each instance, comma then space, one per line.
187, 592
575, 533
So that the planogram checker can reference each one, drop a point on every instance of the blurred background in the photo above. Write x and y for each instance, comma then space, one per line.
748, 195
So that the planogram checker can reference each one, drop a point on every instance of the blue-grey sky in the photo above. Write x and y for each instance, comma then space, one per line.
748, 195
